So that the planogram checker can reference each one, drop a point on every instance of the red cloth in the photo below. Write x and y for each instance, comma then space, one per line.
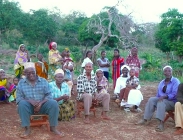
116, 69
133, 61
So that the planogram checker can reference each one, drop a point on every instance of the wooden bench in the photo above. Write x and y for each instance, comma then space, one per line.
39, 120
170, 114
80, 108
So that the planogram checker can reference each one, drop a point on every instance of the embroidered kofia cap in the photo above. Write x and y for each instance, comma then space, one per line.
59, 71
29, 65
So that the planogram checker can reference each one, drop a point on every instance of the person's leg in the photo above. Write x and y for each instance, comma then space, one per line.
105, 98
178, 118
106, 74
87, 99
25, 110
149, 110
52, 109
162, 107
179, 115
150, 107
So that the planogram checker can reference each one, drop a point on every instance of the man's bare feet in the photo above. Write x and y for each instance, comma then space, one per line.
86, 119
55, 131
104, 116
26, 133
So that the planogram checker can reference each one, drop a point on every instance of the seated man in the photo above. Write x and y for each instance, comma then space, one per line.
34, 96
179, 111
87, 88
164, 101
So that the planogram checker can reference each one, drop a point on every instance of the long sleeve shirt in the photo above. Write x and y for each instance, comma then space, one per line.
86, 86
180, 93
171, 89
38, 92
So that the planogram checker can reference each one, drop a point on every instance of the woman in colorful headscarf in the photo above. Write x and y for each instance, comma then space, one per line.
133, 61
60, 92
22, 57
55, 60
6, 88
117, 62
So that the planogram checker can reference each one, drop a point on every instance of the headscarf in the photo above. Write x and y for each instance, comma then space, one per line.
51, 45
59, 71
97, 71
167, 67
133, 60
66, 49
21, 57
125, 66
1, 70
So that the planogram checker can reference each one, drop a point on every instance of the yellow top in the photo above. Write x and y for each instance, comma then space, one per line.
54, 56
3, 82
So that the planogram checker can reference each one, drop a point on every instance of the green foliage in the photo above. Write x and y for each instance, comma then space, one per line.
41, 27
169, 35
151, 62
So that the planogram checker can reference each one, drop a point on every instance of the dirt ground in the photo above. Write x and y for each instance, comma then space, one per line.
121, 127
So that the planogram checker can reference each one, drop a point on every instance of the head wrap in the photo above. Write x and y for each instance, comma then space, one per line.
29, 65
66, 49
125, 66
1, 70
51, 45
167, 67
59, 71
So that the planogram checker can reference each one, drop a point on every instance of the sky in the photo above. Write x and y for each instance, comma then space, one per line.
142, 11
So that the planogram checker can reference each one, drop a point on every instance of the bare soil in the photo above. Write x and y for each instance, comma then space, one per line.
121, 127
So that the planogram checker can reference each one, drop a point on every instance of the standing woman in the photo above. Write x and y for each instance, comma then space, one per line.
54, 58
88, 59
117, 62
104, 64
133, 61
22, 57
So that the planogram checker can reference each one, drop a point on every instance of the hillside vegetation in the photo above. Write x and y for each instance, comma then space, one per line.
152, 59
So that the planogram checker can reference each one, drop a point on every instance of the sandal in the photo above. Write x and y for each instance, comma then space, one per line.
159, 128
105, 118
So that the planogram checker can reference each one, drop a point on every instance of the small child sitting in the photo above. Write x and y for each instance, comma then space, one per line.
68, 76
131, 83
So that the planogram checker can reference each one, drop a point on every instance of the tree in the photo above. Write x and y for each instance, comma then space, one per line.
169, 35
9, 16
70, 27
40, 27
110, 27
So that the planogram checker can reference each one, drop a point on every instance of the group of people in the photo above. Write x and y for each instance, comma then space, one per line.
35, 95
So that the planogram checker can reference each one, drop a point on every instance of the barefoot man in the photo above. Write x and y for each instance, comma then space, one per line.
34, 96
87, 88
